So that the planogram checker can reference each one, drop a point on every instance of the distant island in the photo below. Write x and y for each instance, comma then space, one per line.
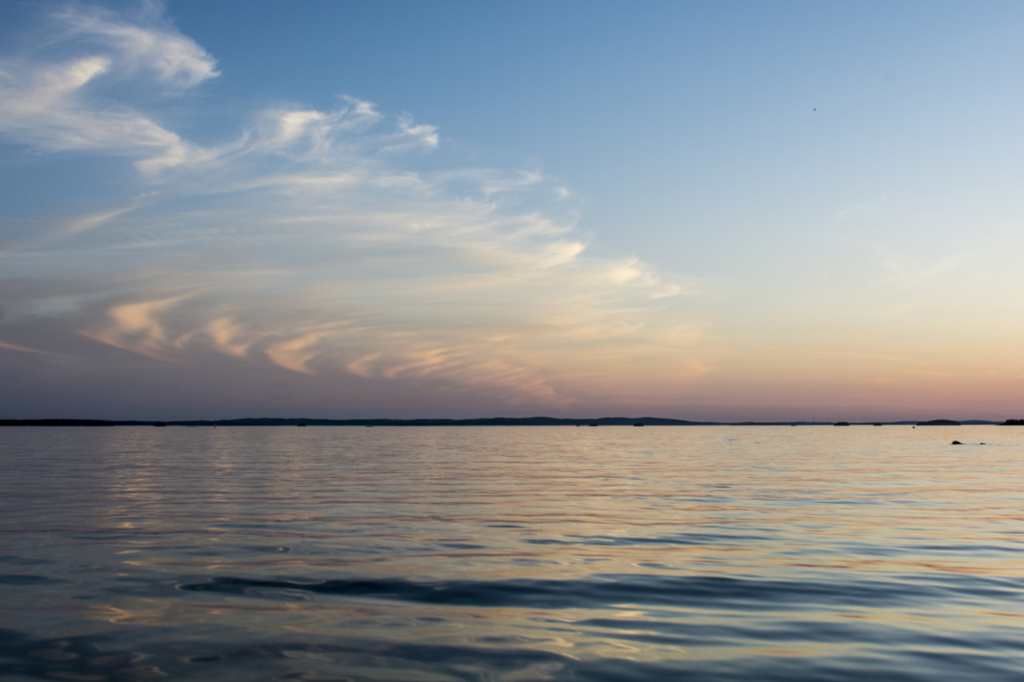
487, 421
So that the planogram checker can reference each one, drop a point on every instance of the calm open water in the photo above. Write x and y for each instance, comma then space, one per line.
512, 553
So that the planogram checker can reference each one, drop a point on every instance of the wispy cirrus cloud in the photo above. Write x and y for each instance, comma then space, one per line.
54, 97
151, 46
304, 245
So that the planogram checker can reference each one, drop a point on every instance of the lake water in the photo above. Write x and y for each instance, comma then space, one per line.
512, 553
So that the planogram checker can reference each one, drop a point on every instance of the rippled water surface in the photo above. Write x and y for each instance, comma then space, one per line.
512, 553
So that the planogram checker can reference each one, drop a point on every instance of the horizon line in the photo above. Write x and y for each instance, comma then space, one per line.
486, 421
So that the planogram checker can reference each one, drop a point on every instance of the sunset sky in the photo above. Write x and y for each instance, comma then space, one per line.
699, 210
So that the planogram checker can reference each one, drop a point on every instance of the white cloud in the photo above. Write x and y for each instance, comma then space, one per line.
56, 103
137, 327
305, 245
412, 136
306, 134
172, 58
294, 354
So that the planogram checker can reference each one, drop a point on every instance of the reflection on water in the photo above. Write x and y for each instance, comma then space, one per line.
512, 553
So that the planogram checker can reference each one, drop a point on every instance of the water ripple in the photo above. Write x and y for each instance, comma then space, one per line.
707, 592
704, 553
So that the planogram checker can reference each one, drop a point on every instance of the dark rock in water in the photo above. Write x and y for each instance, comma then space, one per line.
841, 424
593, 424
956, 442
939, 422
300, 424
638, 424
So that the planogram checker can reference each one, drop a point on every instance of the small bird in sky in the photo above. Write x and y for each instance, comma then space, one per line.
815, 108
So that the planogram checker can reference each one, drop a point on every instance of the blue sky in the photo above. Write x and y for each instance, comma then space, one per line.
702, 210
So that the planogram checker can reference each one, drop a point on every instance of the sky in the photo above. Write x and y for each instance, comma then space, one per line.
711, 211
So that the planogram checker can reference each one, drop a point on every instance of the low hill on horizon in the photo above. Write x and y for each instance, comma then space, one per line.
484, 421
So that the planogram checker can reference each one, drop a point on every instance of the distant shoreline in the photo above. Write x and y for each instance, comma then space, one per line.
491, 421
